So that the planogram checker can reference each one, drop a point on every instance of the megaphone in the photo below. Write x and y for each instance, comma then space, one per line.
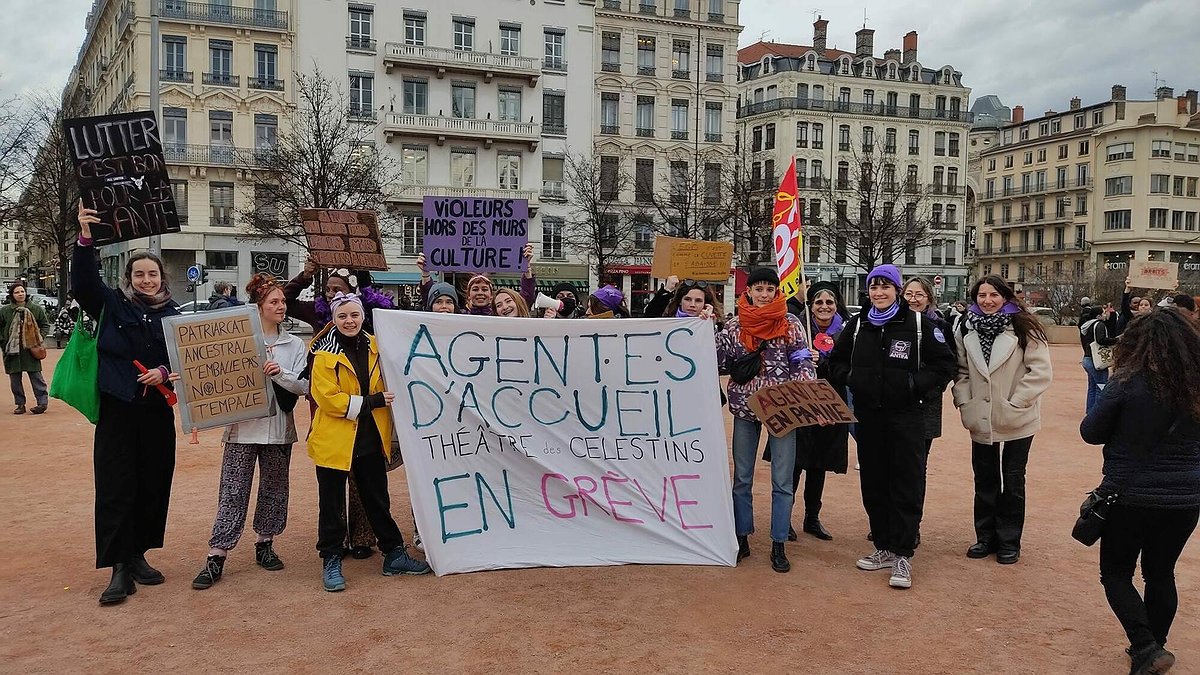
544, 301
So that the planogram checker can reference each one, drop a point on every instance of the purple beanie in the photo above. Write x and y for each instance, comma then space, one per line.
889, 272
610, 297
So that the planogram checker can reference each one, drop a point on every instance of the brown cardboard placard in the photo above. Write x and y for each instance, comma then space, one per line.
791, 405
1147, 274
692, 259
344, 238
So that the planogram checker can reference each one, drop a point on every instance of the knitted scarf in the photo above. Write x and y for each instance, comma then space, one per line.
988, 326
154, 302
878, 318
757, 324
680, 314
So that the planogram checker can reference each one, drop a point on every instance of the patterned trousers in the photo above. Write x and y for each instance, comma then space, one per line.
237, 475
358, 530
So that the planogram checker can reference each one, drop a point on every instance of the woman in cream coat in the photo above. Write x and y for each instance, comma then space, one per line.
1003, 370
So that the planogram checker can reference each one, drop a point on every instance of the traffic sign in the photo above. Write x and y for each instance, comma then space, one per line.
193, 273
937, 281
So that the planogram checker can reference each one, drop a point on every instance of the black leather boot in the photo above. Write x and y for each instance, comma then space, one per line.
779, 560
143, 573
813, 526
743, 547
120, 587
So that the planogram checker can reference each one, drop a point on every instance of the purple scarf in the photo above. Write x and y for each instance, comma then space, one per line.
878, 318
680, 314
835, 326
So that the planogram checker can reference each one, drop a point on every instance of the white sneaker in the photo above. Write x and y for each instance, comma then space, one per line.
417, 541
879, 560
901, 573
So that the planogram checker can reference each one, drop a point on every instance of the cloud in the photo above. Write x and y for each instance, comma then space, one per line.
39, 40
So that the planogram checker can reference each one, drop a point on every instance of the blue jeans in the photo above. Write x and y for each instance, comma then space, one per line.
783, 463
1096, 381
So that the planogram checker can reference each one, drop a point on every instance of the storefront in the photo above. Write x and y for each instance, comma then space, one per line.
1189, 271
547, 275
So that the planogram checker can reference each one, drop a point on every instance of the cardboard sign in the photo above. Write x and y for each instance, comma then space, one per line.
692, 259
533, 443
475, 234
791, 405
219, 356
121, 173
1161, 275
339, 238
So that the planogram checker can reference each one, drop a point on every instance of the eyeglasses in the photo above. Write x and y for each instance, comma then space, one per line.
914, 295
824, 302
692, 283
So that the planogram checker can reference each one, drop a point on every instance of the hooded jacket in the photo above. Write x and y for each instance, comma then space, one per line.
339, 400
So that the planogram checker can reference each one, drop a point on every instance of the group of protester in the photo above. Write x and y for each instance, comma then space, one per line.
891, 363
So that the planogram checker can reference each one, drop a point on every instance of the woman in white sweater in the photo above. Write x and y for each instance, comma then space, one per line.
1003, 370
267, 441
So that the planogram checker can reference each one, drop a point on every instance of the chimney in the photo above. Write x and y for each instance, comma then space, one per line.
1075, 103
1018, 114
1164, 93
1050, 113
1191, 97
1181, 105
1118, 92
820, 30
910, 47
864, 43
892, 55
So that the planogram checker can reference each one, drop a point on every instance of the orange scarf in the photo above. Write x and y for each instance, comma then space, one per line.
762, 323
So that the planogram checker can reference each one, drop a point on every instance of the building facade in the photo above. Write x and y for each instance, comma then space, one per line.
224, 92
839, 112
1075, 195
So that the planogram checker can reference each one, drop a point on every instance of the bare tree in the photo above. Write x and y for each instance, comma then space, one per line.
689, 204
1061, 292
749, 208
16, 133
597, 228
325, 158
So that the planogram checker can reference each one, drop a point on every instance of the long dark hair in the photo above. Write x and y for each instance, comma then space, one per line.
710, 298
1025, 324
1164, 345
147, 255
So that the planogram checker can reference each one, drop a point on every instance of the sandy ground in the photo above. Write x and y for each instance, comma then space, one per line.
1047, 614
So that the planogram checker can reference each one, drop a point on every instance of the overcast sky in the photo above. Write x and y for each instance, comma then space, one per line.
1036, 53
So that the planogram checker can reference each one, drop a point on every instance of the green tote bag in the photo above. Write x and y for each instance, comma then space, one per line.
75, 376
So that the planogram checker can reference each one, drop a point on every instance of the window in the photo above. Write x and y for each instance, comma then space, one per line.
509, 105
868, 139
645, 55
818, 136
610, 52
265, 69
1024, 133
462, 168
1158, 219
609, 168
679, 119
1117, 220
1004, 271
1160, 183
1008, 162
1189, 225
1177, 186
464, 35
992, 164
1060, 207
412, 234
914, 142
712, 183
174, 130
1041, 155
1121, 185
179, 189
1193, 153
220, 135
679, 179
462, 100
1062, 151
554, 112
990, 188
643, 235
1028, 158
645, 116
609, 103
266, 131
416, 96
756, 139
510, 39
1177, 220
221, 260
889, 140
1081, 205
1060, 177
414, 164
1191, 186
552, 238
714, 63
1056, 125
712, 122
1082, 175
220, 200
556, 49
844, 98
681, 58
1039, 239
1085, 147
1080, 121
1118, 151
414, 29
1160, 148
508, 171
221, 61
844, 138
174, 57
769, 143
360, 26
1097, 118
362, 94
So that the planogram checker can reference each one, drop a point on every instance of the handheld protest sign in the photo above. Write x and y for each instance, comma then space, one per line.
475, 234
1157, 275
692, 259
344, 238
219, 356
791, 405
121, 173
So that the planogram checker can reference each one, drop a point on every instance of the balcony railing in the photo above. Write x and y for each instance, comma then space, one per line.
872, 109
175, 76
645, 133
418, 192
610, 129
714, 77
683, 13
677, 74
360, 43
679, 135
215, 155
268, 83
441, 59
1032, 249
712, 138
554, 189
223, 14
552, 129
646, 70
645, 8
610, 67
554, 63
612, 4
360, 114
222, 79
456, 127
1053, 186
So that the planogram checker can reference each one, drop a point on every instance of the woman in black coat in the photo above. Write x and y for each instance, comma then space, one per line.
1148, 419
135, 435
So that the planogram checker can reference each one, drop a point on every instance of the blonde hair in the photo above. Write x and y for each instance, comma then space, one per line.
522, 306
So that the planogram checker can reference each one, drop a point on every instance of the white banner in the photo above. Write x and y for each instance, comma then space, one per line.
562, 442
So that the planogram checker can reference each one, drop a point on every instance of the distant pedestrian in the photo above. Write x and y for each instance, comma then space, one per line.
1094, 327
23, 327
224, 295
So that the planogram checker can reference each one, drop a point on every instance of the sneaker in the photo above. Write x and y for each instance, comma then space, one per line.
901, 573
1151, 660
264, 555
417, 541
332, 574
211, 574
398, 561
879, 560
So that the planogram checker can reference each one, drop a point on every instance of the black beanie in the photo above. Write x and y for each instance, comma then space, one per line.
762, 274
564, 286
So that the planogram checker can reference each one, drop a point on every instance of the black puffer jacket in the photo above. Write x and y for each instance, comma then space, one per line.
1145, 465
880, 365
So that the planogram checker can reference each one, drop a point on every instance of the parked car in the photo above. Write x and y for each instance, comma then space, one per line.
193, 307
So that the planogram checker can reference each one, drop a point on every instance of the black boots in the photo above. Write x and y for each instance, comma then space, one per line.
813, 526
120, 587
779, 561
1150, 660
143, 573
214, 566
743, 547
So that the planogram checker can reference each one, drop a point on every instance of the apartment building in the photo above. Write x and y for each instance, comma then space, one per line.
223, 94
1091, 188
836, 112
470, 99
10, 252
664, 79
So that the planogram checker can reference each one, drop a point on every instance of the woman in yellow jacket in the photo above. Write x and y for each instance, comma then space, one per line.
351, 434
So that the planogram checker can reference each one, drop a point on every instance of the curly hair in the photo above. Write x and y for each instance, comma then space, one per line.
1165, 346
260, 286
1025, 324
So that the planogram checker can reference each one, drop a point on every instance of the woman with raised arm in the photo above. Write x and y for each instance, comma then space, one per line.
134, 445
